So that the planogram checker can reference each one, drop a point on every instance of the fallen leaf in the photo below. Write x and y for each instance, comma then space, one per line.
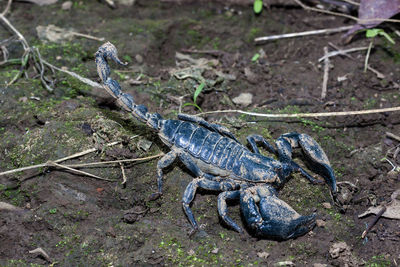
371, 10
53, 33
392, 209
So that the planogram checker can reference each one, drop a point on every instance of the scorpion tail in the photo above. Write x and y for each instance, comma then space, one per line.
108, 51
313, 152
271, 217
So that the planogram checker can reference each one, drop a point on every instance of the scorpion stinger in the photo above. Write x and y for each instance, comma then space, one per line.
219, 162
108, 50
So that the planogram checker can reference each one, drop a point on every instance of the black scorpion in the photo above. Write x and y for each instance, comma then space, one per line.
220, 162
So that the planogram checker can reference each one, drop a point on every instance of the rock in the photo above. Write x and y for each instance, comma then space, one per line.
139, 58
319, 265
341, 254
263, 254
215, 251
251, 76
337, 248
320, 223
326, 205
243, 99
66, 5
144, 144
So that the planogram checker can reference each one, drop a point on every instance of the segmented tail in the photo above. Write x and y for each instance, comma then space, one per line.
140, 112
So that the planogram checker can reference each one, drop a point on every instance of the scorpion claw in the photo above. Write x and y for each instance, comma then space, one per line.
269, 216
313, 152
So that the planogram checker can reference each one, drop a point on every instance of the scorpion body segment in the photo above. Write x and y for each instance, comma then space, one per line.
221, 163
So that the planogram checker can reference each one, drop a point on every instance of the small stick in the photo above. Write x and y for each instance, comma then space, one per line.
367, 56
52, 163
348, 183
7, 8
393, 136
378, 215
341, 52
351, 2
305, 115
73, 74
56, 161
41, 252
123, 173
377, 73
113, 161
298, 34
87, 36
326, 74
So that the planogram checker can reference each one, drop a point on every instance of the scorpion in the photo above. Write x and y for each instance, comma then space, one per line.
219, 162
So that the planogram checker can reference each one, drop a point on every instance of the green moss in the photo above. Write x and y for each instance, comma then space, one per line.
253, 33
378, 261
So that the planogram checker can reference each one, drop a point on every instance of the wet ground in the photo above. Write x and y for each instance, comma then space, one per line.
79, 220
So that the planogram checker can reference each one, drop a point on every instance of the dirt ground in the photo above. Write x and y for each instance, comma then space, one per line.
81, 221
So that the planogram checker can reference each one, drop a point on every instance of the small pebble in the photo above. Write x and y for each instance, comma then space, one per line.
243, 99
326, 205
66, 5
263, 254
320, 223
139, 58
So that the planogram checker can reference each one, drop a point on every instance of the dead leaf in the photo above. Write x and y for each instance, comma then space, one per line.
372, 10
392, 209
53, 33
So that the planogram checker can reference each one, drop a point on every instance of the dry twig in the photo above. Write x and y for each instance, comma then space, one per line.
55, 161
34, 54
114, 161
305, 115
373, 222
52, 163
393, 136
326, 74
123, 173
377, 73
340, 52
73, 74
41, 252
298, 34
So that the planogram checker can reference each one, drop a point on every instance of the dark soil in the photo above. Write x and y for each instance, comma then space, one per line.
81, 221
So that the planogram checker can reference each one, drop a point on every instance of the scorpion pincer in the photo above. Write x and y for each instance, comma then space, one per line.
221, 163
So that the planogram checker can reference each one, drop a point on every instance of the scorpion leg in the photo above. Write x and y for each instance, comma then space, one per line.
269, 216
164, 162
223, 208
214, 127
190, 192
313, 152
255, 139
